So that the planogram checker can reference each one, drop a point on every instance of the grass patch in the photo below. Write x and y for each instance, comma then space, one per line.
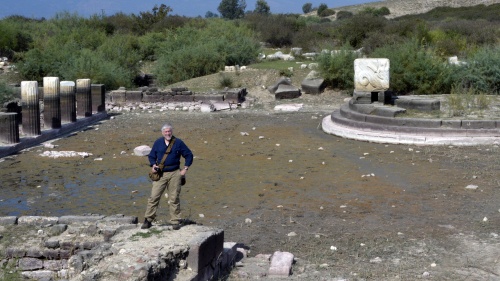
147, 234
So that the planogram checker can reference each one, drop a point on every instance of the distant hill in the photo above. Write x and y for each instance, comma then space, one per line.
400, 8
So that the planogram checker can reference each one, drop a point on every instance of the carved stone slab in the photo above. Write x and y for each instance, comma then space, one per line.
371, 74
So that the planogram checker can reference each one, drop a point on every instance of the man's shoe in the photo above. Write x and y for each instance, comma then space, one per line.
147, 224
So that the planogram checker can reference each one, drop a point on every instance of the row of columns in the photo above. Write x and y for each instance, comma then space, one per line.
63, 102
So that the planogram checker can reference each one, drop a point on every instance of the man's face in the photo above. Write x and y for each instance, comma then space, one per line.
167, 133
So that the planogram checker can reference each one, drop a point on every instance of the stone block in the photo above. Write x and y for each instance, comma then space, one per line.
361, 97
219, 106
207, 108
30, 264
388, 111
10, 220
121, 219
182, 98
179, 89
15, 252
142, 150
281, 264
229, 254
37, 220
34, 253
52, 243
155, 97
118, 96
57, 229
65, 254
204, 249
287, 92
54, 265
134, 96
98, 97
51, 254
281, 81
39, 275
313, 86
418, 103
186, 93
208, 98
455, 124
418, 122
371, 74
80, 219
478, 124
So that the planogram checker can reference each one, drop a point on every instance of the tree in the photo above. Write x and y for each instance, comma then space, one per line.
232, 9
210, 14
261, 7
322, 7
307, 8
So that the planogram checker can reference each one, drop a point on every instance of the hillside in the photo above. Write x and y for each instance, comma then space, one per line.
400, 8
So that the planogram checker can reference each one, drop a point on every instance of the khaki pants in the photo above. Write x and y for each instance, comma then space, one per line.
171, 182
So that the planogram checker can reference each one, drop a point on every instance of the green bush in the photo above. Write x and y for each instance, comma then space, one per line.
356, 29
415, 69
342, 15
482, 71
338, 69
225, 81
326, 13
190, 51
6, 93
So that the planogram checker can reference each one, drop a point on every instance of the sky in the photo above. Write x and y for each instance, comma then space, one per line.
190, 8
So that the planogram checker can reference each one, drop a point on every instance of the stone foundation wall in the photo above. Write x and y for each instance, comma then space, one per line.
97, 247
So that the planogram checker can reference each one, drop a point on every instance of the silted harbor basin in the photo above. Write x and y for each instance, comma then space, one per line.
277, 169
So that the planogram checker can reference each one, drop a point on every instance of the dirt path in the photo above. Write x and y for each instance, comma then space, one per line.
392, 212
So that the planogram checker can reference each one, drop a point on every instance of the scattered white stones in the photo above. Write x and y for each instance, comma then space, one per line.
426, 274
376, 260
366, 153
368, 175
290, 161
201, 215
333, 248
485, 219
471, 187
278, 144
433, 264
248, 221
289, 107
292, 234
244, 133
57, 154
48, 145
320, 148
261, 137
97, 159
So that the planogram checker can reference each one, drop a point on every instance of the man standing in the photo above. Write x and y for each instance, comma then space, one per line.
171, 175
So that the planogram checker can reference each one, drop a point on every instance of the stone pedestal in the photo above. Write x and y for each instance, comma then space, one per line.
83, 98
98, 98
68, 101
51, 103
31, 108
9, 128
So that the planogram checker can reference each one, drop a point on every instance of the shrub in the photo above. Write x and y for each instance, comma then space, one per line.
462, 101
415, 69
338, 69
321, 8
6, 93
307, 7
342, 15
482, 71
356, 29
225, 81
326, 13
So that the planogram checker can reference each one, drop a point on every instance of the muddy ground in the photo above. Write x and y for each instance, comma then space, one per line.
346, 209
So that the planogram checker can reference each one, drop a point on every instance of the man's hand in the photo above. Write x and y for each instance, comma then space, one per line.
154, 167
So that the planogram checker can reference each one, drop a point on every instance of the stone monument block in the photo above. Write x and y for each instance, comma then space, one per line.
371, 75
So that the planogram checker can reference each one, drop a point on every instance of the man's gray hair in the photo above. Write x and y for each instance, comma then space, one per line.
167, 126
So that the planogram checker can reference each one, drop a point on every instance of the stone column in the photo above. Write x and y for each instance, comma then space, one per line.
51, 103
9, 128
68, 101
98, 97
31, 108
83, 98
